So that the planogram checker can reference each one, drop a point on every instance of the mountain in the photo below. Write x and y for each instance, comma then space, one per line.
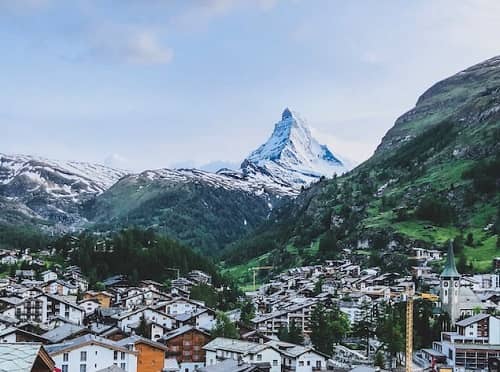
434, 177
203, 209
52, 191
292, 156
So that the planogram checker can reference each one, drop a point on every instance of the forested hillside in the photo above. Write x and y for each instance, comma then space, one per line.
435, 177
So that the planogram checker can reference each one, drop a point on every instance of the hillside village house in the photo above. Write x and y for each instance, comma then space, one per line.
90, 353
185, 344
151, 355
224, 348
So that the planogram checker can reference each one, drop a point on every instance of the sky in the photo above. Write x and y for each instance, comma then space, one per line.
143, 84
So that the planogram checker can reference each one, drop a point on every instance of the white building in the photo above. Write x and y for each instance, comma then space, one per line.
249, 352
48, 276
90, 353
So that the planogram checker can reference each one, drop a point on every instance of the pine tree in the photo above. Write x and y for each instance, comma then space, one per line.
224, 327
364, 327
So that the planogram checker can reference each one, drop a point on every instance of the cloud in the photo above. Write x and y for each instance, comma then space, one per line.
351, 151
117, 161
132, 46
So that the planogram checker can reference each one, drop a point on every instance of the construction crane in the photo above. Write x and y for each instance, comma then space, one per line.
257, 268
409, 331
410, 296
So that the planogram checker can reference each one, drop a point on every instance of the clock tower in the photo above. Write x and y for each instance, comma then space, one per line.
450, 287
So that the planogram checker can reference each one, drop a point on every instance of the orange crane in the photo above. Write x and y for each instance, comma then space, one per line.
257, 268
409, 324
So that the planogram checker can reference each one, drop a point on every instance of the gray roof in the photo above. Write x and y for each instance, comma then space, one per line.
179, 331
135, 338
62, 332
82, 340
18, 357
471, 320
238, 346
229, 365
112, 368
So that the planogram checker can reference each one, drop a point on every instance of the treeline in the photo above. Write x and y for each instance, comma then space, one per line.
139, 254
21, 237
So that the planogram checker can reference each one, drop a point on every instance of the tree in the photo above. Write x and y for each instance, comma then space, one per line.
318, 287
379, 360
365, 326
458, 244
391, 329
327, 246
462, 264
224, 327
328, 327
205, 293
143, 329
470, 239
292, 334
247, 312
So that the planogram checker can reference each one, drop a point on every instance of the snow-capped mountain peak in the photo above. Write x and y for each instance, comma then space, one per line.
293, 155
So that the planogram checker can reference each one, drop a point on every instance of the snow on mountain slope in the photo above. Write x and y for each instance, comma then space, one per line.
53, 189
291, 156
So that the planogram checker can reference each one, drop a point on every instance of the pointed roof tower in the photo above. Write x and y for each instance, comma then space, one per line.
450, 270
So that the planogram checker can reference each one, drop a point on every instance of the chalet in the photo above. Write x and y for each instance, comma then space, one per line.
185, 344
103, 297
159, 321
89, 306
299, 358
222, 349
150, 354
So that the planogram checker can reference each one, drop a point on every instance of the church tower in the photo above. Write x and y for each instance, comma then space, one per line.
450, 287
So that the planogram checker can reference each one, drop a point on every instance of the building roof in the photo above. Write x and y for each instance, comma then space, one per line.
62, 332
293, 350
171, 365
450, 269
85, 340
181, 330
112, 368
135, 339
238, 346
230, 365
21, 357
471, 320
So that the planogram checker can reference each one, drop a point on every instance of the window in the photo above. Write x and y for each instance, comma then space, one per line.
275, 362
65, 357
318, 364
259, 357
83, 356
123, 356
115, 355
122, 365
64, 368
83, 368
308, 362
301, 363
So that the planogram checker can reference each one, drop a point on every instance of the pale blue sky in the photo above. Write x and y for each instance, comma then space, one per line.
156, 83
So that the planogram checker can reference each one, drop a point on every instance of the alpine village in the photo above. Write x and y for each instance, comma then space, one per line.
295, 261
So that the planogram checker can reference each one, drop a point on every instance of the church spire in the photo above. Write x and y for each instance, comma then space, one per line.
450, 270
